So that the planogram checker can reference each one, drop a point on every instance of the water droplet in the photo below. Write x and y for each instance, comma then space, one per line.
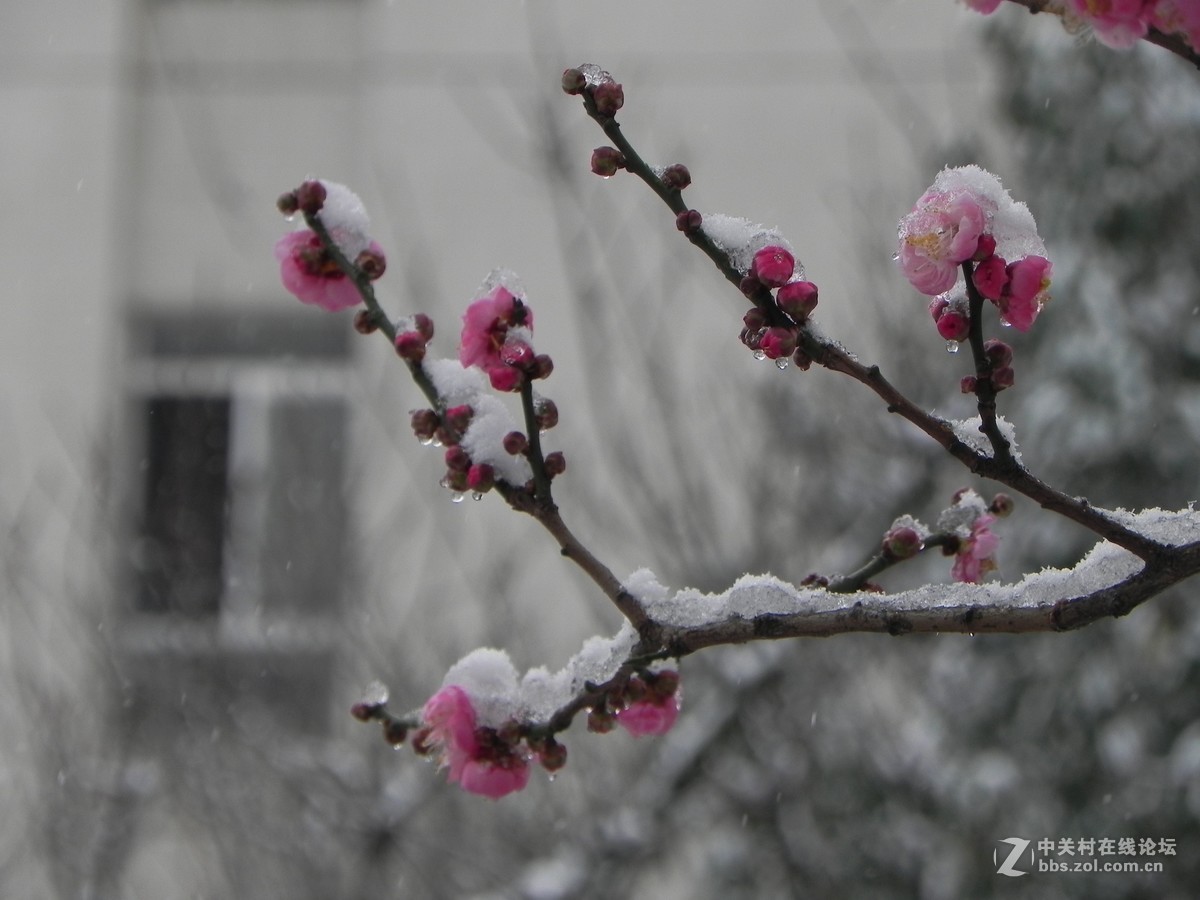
896, 256
1004, 323
550, 776
427, 442
476, 496
759, 354
457, 497
952, 346
781, 363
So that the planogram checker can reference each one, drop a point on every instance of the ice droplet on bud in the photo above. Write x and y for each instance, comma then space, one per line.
476, 496
1004, 323
375, 694
952, 346
456, 497
759, 354
781, 363
427, 442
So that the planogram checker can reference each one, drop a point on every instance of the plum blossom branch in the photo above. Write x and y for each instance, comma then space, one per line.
1002, 467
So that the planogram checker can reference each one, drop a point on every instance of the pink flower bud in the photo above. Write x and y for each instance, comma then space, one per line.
552, 755
573, 81
457, 459
395, 732
607, 161
364, 322
773, 266
505, 378
954, 325
801, 360
371, 262
1003, 377
459, 417
902, 543
481, 477
545, 413
798, 299
310, 197
985, 248
424, 326
689, 221
600, 721
517, 354
968, 384
1001, 506
515, 443
677, 177
750, 286
778, 342
288, 204
937, 306
425, 424
410, 345
366, 712
998, 353
990, 277
543, 366
609, 97
755, 319
556, 463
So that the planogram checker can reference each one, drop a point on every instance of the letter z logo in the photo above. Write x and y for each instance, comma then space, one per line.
1019, 845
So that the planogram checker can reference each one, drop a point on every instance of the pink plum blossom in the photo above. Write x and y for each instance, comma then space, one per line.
487, 343
976, 555
477, 758
1178, 17
941, 232
773, 266
1117, 23
1026, 292
655, 712
310, 273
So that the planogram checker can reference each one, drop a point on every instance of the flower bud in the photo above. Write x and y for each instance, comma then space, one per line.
968, 384
802, 360
664, 683
752, 338
366, 712
425, 424
410, 346
364, 322
778, 342
372, 263
750, 286
459, 417
395, 732
609, 97
1003, 377
517, 354
998, 353
545, 413
990, 277
798, 299
676, 176
985, 248
481, 477
902, 543
457, 459
552, 755
755, 319
455, 480
556, 463
543, 366
773, 266
600, 721
689, 221
288, 204
515, 443
310, 197
573, 81
505, 378
954, 325
607, 161
424, 326
1001, 506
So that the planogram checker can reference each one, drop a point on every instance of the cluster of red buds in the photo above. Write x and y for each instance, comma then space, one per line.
447, 430
648, 703
999, 356
773, 268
